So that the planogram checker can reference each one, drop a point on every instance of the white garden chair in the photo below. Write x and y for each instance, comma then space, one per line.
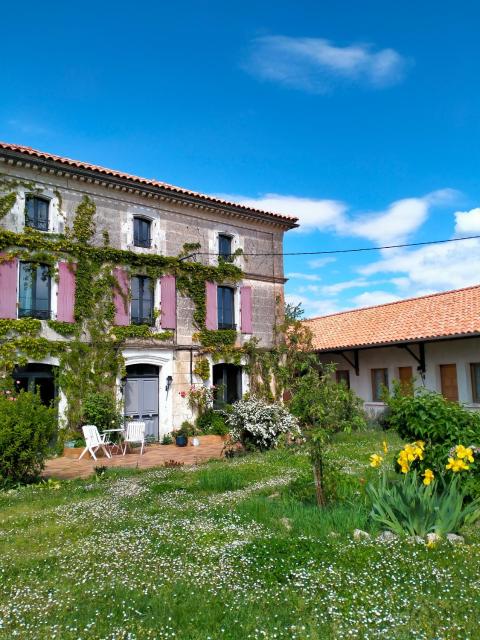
134, 433
94, 441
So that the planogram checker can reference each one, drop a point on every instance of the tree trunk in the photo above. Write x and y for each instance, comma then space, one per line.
318, 478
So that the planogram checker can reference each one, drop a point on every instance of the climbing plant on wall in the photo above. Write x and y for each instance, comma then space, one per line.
90, 349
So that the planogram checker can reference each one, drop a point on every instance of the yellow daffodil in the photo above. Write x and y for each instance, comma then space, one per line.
420, 444
375, 460
456, 465
464, 453
428, 476
385, 446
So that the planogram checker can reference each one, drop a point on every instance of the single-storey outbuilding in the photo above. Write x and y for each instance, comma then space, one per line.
433, 340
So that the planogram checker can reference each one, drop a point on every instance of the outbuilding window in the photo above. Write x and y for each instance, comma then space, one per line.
475, 373
379, 383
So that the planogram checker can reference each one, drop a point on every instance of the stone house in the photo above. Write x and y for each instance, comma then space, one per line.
432, 341
137, 229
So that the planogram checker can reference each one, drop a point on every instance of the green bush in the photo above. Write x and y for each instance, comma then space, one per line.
101, 410
27, 428
441, 424
212, 422
320, 402
407, 507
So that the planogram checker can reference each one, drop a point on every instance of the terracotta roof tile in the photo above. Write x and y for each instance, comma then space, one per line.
440, 315
287, 220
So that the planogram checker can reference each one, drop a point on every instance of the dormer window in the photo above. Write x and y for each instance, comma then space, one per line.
36, 213
225, 247
142, 233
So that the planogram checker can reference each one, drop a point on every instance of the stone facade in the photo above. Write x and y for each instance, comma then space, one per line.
175, 220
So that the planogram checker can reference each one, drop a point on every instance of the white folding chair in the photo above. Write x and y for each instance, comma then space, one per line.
94, 441
134, 433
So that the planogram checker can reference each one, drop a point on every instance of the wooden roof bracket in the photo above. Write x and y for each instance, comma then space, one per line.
355, 363
421, 355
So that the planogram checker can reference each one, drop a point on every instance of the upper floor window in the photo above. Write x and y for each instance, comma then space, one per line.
225, 247
34, 291
36, 213
226, 307
142, 300
475, 371
142, 232
379, 382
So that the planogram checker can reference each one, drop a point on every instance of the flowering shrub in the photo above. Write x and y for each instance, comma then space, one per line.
408, 506
257, 424
199, 398
26, 430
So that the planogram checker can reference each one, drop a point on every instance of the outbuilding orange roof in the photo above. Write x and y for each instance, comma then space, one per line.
441, 315
288, 221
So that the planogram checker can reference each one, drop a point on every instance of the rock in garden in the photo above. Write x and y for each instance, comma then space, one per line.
454, 539
415, 540
287, 523
358, 534
432, 538
387, 536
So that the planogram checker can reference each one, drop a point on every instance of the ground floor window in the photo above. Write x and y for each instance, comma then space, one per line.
343, 376
475, 373
448, 381
379, 381
405, 376
37, 377
228, 380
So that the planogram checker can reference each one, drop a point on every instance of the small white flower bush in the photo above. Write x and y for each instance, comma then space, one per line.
259, 424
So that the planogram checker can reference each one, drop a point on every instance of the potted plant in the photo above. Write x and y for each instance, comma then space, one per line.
182, 435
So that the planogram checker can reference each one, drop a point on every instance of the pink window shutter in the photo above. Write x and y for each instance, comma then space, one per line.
8, 288
121, 305
66, 292
168, 293
211, 319
246, 316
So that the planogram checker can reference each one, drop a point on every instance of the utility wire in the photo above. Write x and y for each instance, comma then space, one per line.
357, 250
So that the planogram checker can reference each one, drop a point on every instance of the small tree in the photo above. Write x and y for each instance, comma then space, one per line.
324, 407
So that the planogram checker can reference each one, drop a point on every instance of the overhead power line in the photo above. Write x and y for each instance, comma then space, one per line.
356, 250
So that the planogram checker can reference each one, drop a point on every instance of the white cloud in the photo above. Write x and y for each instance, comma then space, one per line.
318, 263
312, 306
400, 219
316, 65
467, 221
294, 275
392, 225
431, 268
324, 215
371, 298
338, 287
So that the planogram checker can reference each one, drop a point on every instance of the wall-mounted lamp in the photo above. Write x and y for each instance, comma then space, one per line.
169, 383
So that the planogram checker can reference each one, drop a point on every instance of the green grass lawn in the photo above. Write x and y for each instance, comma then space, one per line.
233, 549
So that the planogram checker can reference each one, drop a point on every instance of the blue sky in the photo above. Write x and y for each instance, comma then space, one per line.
360, 117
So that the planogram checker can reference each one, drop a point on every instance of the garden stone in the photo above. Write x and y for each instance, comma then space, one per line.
272, 496
415, 540
358, 534
433, 538
387, 536
287, 523
454, 539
